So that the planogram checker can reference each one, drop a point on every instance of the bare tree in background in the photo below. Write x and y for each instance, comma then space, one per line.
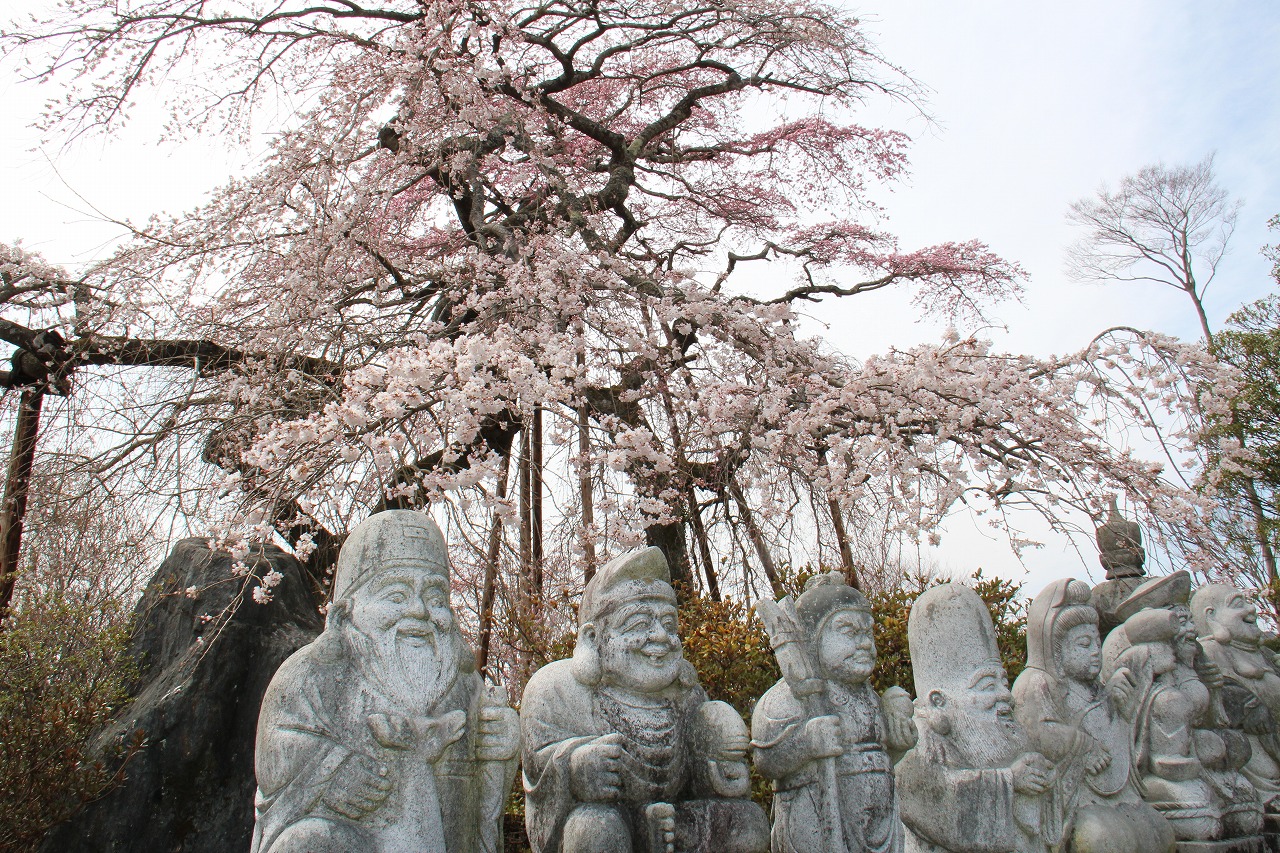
1165, 224
1171, 225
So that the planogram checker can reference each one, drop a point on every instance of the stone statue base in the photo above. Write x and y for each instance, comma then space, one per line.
1247, 844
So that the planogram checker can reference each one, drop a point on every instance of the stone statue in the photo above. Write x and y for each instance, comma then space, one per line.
1228, 627
973, 782
1185, 762
1083, 728
379, 736
1122, 555
623, 753
822, 734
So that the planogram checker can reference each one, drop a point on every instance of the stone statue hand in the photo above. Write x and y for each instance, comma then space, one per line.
595, 769
358, 786
900, 716
436, 735
499, 736
825, 737
1032, 774
1209, 672
1123, 688
1096, 757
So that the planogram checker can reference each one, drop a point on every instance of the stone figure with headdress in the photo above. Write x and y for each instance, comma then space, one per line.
1083, 727
1227, 623
1122, 555
1186, 760
379, 736
974, 782
822, 734
623, 753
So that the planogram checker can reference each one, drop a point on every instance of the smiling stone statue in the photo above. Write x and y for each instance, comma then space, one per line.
622, 751
1227, 623
379, 736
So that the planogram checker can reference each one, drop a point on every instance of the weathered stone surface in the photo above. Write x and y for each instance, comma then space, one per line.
201, 682
973, 782
1084, 728
1121, 553
1186, 761
1228, 627
623, 753
822, 734
380, 735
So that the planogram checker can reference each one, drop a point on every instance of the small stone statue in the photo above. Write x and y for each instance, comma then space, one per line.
379, 736
1228, 627
1083, 727
1122, 555
623, 753
973, 783
1186, 762
822, 734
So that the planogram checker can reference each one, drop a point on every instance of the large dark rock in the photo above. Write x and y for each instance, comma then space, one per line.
201, 680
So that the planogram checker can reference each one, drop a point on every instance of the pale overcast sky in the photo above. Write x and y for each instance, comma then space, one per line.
1034, 105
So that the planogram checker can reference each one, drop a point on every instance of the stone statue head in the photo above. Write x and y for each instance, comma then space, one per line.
838, 619
1120, 545
1172, 593
628, 634
1062, 632
962, 692
391, 605
1225, 613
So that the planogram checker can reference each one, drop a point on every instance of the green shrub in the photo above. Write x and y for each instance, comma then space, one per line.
63, 671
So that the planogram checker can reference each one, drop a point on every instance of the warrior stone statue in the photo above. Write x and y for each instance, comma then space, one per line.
1083, 727
379, 736
973, 782
623, 753
1228, 627
822, 734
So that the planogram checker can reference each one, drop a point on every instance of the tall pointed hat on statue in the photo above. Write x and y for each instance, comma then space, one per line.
1120, 545
950, 636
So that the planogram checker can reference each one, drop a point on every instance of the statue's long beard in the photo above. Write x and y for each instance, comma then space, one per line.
986, 741
413, 677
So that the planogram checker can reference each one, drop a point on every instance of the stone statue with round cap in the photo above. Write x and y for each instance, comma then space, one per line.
380, 736
623, 753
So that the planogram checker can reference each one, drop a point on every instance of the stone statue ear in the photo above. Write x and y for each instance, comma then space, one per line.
1218, 630
937, 698
585, 665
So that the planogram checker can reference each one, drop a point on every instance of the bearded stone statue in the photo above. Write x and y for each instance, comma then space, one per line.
1228, 627
1186, 759
623, 753
1083, 727
822, 734
379, 736
974, 782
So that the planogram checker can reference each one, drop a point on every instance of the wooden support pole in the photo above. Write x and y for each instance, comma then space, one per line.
16, 487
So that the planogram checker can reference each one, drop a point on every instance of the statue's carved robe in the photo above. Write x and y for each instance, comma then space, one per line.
559, 713
864, 773
948, 807
316, 713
